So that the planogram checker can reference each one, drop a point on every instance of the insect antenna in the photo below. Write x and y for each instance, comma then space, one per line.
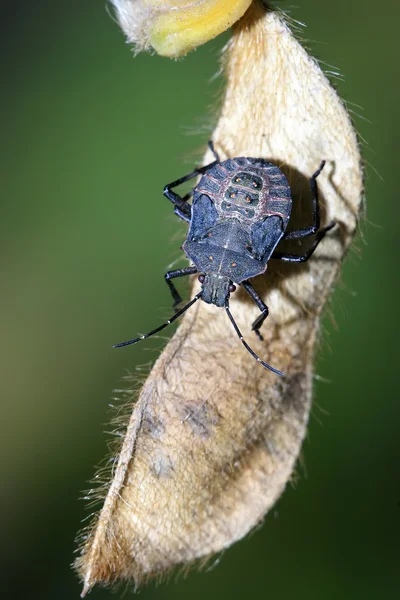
171, 320
245, 344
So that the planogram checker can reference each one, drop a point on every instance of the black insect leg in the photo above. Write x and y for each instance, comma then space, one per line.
245, 344
177, 273
182, 208
213, 150
299, 259
163, 326
261, 305
184, 212
306, 231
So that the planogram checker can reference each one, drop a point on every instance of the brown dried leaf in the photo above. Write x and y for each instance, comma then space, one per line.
214, 437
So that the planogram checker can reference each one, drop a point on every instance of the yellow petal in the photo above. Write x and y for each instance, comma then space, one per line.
178, 31
174, 27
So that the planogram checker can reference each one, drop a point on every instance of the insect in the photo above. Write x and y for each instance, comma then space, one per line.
239, 213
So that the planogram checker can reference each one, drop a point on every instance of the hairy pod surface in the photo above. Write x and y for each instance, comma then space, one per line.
213, 437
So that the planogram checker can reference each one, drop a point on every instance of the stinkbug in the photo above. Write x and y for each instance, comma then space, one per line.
239, 213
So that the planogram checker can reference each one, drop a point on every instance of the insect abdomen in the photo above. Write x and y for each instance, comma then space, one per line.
248, 189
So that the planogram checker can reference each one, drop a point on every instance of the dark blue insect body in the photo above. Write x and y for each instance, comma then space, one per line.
239, 213
240, 210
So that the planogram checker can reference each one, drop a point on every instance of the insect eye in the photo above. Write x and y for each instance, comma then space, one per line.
201, 278
231, 288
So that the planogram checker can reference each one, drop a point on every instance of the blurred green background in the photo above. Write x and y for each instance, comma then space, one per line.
89, 136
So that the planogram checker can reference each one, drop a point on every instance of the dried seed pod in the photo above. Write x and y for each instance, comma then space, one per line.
213, 437
174, 27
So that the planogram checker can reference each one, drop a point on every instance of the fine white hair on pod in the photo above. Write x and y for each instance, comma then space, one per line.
132, 16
